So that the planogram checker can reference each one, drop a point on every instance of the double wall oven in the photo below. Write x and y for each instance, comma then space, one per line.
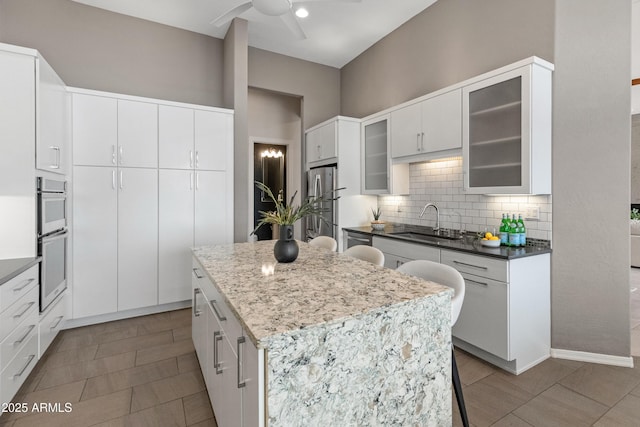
52, 238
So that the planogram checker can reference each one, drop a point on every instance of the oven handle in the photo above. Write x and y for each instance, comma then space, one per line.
54, 236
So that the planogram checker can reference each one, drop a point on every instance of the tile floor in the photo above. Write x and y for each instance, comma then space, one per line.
143, 372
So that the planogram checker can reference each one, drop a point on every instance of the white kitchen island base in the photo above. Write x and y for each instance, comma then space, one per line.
326, 340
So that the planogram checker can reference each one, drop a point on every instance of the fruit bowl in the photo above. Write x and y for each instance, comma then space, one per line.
490, 243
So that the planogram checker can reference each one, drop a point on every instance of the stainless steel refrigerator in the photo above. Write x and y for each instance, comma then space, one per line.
321, 181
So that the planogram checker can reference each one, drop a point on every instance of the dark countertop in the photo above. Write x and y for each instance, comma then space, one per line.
475, 247
10, 268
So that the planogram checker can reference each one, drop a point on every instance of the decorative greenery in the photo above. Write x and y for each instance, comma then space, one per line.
635, 214
287, 214
376, 214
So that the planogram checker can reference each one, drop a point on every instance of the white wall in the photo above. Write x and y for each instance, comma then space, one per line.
441, 183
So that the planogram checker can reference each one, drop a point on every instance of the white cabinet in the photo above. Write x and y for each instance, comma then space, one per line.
176, 220
397, 252
118, 209
95, 243
211, 207
507, 131
213, 140
229, 361
137, 134
18, 331
429, 126
175, 137
505, 317
109, 132
379, 175
53, 120
321, 144
95, 130
51, 322
137, 238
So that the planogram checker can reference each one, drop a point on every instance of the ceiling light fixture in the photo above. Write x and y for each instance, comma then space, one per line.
301, 12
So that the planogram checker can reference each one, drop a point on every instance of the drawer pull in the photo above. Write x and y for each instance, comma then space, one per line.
24, 368
57, 323
29, 329
241, 381
19, 315
214, 306
196, 291
196, 272
477, 283
26, 283
481, 267
217, 336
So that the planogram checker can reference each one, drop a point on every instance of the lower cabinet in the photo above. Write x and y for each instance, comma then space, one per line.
51, 322
397, 252
229, 361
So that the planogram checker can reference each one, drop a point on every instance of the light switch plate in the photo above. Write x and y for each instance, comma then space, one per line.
533, 212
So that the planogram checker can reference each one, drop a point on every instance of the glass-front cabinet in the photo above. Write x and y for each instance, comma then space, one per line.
379, 175
507, 132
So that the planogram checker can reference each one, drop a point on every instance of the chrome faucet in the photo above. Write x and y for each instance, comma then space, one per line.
433, 205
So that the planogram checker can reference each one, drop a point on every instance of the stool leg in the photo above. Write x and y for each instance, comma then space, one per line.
458, 389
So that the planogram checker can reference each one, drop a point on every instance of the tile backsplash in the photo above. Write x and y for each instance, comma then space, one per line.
440, 182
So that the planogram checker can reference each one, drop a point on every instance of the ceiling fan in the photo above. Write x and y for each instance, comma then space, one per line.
281, 8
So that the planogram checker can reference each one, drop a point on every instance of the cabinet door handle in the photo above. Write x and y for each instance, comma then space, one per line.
197, 159
113, 154
190, 158
241, 381
57, 150
196, 272
26, 283
196, 312
197, 180
24, 368
418, 141
476, 282
120, 153
57, 323
24, 337
399, 263
217, 336
214, 306
121, 181
422, 142
19, 315
481, 267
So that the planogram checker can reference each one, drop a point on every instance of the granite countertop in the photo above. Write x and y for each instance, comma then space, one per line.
10, 268
457, 245
320, 286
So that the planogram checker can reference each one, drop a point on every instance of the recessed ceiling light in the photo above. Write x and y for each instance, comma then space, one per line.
302, 12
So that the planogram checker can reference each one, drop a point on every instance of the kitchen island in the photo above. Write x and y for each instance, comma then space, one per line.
325, 340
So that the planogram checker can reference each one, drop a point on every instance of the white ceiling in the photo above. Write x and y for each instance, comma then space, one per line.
336, 31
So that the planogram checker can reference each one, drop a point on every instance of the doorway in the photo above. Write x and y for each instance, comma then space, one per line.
269, 167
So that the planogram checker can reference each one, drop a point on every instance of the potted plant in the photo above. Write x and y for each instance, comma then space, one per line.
377, 224
285, 215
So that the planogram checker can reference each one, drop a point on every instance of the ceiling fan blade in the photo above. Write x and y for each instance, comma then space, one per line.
292, 23
228, 16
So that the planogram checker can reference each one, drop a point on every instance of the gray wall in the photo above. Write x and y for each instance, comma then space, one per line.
591, 179
449, 42
96, 49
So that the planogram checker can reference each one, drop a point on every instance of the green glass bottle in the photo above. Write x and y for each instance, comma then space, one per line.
523, 231
514, 237
504, 230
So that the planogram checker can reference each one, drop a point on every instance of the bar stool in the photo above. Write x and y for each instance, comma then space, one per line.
446, 276
366, 253
324, 242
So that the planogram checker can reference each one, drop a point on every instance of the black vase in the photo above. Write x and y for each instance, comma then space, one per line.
286, 248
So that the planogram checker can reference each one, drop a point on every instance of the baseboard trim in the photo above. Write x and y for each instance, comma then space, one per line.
92, 320
583, 356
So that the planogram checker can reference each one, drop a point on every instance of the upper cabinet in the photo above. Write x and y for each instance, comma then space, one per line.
430, 126
137, 134
193, 139
322, 144
53, 120
379, 175
507, 131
